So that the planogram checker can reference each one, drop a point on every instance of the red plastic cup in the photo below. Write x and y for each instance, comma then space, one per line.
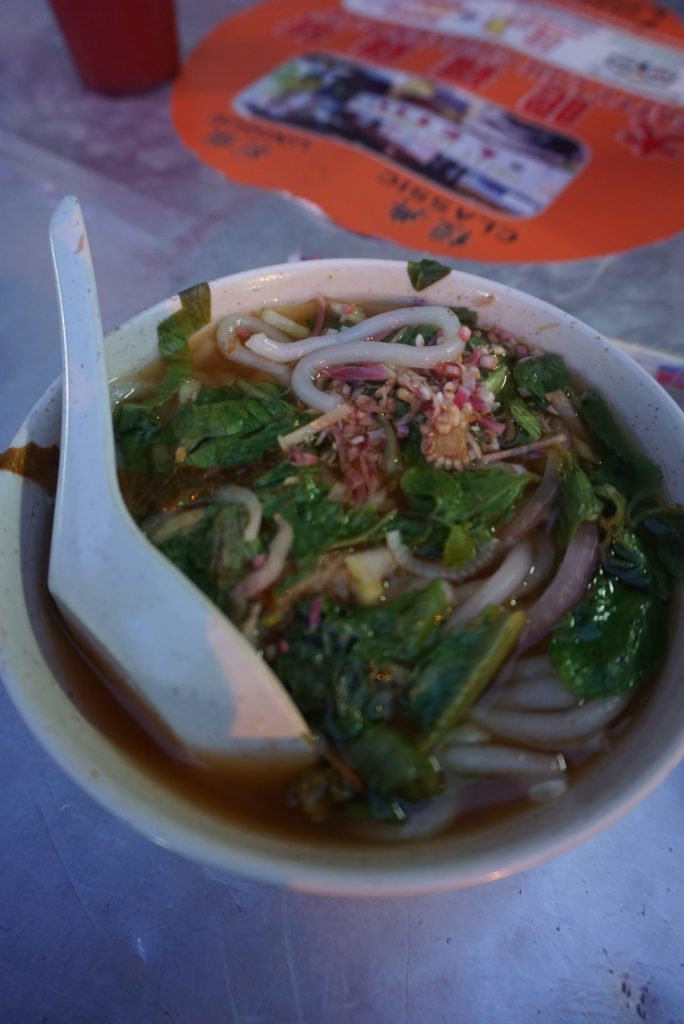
120, 46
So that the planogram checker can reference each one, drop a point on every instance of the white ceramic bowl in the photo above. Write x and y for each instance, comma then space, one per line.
38, 680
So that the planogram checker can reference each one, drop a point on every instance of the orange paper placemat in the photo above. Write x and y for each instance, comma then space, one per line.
499, 130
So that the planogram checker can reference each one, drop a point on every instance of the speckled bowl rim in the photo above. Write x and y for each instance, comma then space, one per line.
112, 779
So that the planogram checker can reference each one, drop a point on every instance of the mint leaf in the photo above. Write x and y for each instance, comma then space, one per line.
423, 273
665, 528
483, 495
632, 473
612, 641
578, 502
468, 317
542, 374
526, 419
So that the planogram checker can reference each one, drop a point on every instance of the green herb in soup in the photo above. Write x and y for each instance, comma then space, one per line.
455, 562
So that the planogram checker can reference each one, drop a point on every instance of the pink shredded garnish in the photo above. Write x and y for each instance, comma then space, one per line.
300, 458
315, 613
486, 396
258, 561
489, 362
461, 397
493, 426
470, 378
464, 333
371, 371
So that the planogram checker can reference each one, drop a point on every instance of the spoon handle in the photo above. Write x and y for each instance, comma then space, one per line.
170, 654
86, 413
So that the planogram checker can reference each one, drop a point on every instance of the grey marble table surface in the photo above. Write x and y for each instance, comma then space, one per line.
100, 926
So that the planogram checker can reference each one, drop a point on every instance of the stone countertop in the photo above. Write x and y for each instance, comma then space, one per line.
100, 926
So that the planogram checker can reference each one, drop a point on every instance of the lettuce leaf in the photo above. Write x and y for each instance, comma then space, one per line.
227, 426
173, 334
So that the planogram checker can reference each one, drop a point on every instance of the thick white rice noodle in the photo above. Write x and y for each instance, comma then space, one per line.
268, 573
548, 729
535, 666
446, 350
283, 351
492, 759
166, 525
546, 693
429, 819
232, 494
547, 790
232, 349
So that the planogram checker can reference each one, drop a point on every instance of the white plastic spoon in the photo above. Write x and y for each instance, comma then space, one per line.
172, 652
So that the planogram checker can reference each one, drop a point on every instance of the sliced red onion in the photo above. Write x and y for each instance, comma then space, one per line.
234, 495
493, 426
543, 562
437, 570
491, 759
550, 728
566, 588
497, 588
536, 508
562, 404
347, 351
315, 611
259, 580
